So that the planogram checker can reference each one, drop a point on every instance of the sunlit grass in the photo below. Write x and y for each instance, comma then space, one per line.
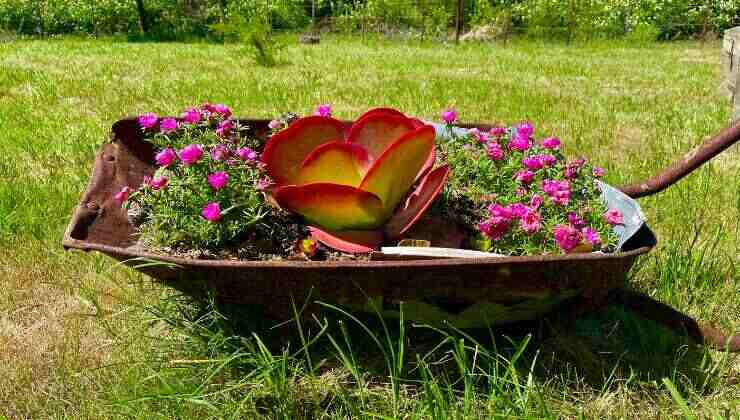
81, 338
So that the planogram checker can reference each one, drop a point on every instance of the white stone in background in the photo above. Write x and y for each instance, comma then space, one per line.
731, 69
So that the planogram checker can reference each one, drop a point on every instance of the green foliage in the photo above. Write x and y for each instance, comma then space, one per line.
254, 34
606, 18
483, 13
36, 17
567, 19
168, 19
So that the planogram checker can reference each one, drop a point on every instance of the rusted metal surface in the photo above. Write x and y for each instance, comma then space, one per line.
686, 165
99, 224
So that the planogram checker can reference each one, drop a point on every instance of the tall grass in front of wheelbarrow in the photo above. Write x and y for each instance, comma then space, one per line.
342, 367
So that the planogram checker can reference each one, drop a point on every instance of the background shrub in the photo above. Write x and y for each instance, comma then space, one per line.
569, 19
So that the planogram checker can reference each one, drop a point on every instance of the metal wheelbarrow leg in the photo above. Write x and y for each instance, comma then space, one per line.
677, 321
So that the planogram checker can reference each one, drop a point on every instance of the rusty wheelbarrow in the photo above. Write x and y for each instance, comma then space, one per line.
465, 292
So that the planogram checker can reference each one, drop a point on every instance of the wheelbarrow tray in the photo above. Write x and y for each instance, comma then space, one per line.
466, 292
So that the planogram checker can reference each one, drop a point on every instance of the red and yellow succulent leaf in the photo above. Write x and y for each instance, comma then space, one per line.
333, 206
394, 172
349, 241
378, 129
428, 165
382, 110
334, 162
417, 203
287, 149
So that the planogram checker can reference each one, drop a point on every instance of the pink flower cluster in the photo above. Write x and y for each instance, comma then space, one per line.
522, 137
216, 117
531, 163
190, 116
573, 167
156, 183
558, 191
501, 218
569, 237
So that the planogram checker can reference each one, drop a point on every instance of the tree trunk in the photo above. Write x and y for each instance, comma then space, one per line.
459, 19
143, 18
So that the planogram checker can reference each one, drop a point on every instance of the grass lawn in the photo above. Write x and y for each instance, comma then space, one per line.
81, 337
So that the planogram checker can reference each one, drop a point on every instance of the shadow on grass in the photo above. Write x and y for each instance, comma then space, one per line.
602, 349
230, 358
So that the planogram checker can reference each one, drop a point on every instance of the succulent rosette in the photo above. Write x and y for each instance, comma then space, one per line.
358, 185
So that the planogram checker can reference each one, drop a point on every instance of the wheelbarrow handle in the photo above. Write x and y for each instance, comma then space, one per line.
685, 166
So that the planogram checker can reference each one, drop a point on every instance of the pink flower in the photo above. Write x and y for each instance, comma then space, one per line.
191, 154
517, 210
549, 186
158, 183
497, 210
524, 177
519, 143
557, 191
494, 228
146, 181
536, 201
592, 237
449, 116
573, 167
614, 217
475, 133
219, 109
224, 128
547, 160
168, 125
147, 121
567, 237
323, 110
552, 143
598, 172
275, 125
264, 184
165, 157
525, 130
247, 154
191, 116
530, 221
218, 180
122, 195
575, 220
211, 212
220, 153
497, 131
494, 151
533, 163
561, 197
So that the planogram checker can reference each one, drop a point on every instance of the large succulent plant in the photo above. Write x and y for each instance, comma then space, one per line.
353, 183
